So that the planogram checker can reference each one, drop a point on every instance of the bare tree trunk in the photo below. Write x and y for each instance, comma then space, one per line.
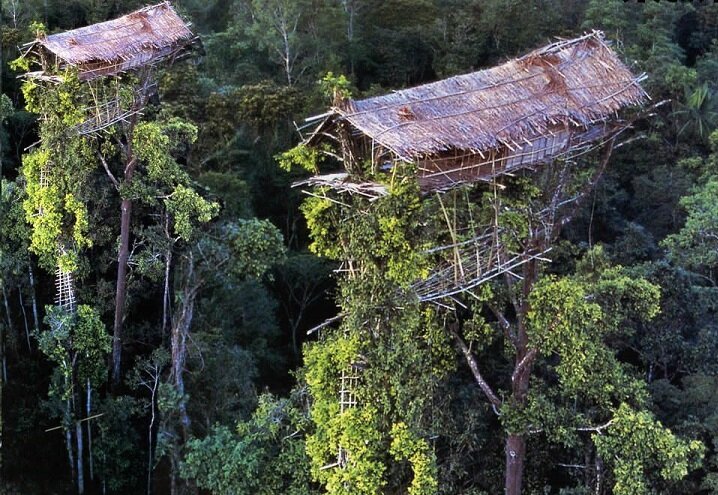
174, 469
287, 56
68, 440
123, 253
515, 457
516, 442
350, 25
150, 456
14, 12
10, 325
520, 377
89, 431
1, 409
24, 319
166, 293
121, 289
287, 53
3, 335
70, 453
599, 475
3, 378
103, 462
180, 334
80, 458
350, 8
294, 323
181, 325
33, 295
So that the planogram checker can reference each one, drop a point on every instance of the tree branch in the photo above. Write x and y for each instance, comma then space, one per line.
504, 323
597, 429
523, 364
512, 294
588, 187
113, 179
471, 360
325, 323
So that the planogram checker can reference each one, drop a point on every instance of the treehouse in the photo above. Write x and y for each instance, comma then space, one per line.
558, 100
139, 39
136, 42
100, 54
533, 115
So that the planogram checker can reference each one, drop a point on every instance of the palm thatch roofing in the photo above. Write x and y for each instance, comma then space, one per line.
569, 84
143, 37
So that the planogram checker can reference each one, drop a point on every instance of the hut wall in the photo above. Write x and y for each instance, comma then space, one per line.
444, 171
538, 151
99, 68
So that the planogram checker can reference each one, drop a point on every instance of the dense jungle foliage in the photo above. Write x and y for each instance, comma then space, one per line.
220, 389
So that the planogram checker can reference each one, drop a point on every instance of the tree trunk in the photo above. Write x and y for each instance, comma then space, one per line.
68, 440
3, 337
24, 319
121, 289
182, 322
174, 469
351, 11
123, 253
520, 377
70, 454
33, 295
80, 459
515, 456
599, 475
3, 378
294, 323
89, 431
166, 294
10, 326
180, 334
516, 442
150, 455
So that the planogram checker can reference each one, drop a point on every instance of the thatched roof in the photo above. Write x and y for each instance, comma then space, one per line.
137, 39
569, 83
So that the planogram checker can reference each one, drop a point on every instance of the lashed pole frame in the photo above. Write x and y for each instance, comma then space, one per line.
109, 110
483, 256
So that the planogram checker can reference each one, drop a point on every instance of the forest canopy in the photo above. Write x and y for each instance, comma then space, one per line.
179, 316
